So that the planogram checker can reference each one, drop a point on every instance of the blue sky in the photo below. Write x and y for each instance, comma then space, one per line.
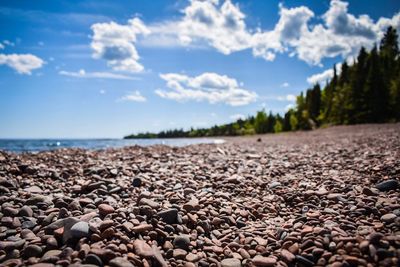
79, 69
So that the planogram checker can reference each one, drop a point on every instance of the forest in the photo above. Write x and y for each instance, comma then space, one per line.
365, 91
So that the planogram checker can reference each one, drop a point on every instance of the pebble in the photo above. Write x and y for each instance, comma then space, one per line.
169, 216
120, 262
182, 241
79, 230
388, 218
387, 185
105, 209
231, 263
263, 261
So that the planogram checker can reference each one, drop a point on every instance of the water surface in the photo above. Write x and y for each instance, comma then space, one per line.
35, 145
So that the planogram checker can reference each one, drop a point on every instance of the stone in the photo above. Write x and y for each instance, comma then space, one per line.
179, 254
142, 249
25, 211
32, 251
93, 259
105, 209
263, 261
387, 185
287, 256
274, 184
304, 261
388, 218
120, 262
182, 241
136, 182
231, 263
169, 216
79, 230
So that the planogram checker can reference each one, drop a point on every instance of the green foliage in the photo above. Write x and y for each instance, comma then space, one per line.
366, 91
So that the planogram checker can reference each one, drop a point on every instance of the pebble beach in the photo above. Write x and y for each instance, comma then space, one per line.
328, 197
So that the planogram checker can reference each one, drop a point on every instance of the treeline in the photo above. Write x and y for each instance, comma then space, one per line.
367, 91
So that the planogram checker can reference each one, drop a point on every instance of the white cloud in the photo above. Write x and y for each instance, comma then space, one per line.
324, 76
236, 117
22, 63
221, 25
289, 106
210, 87
101, 75
290, 98
1, 46
135, 96
102, 92
285, 84
115, 43
9, 43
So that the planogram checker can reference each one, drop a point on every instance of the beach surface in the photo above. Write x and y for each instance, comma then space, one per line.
318, 198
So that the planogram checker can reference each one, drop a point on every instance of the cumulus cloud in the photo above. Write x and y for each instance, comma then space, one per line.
1, 46
22, 63
115, 43
324, 76
210, 87
102, 75
135, 96
221, 25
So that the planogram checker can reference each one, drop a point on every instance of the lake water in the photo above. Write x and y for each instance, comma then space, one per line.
35, 145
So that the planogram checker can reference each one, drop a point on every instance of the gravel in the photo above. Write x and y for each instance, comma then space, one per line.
326, 197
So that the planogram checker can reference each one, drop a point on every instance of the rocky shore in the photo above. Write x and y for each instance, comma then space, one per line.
327, 197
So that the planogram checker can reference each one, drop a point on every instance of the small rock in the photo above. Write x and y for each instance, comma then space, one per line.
143, 249
182, 241
169, 216
32, 251
79, 230
231, 263
179, 254
388, 218
26, 211
287, 256
105, 209
120, 262
387, 185
263, 261
93, 259
136, 182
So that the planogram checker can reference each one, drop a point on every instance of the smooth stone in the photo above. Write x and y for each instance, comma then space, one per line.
387, 185
51, 255
263, 261
136, 182
32, 251
149, 202
287, 256
79, 230
274, 184
304, 261
33, 189
179, 254
169, 216
182, 241
105, 209
26, 211
388, 218
120, 262
231, 263
143, 249
93, 259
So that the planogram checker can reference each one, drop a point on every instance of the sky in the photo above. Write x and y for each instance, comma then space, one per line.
105, 69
